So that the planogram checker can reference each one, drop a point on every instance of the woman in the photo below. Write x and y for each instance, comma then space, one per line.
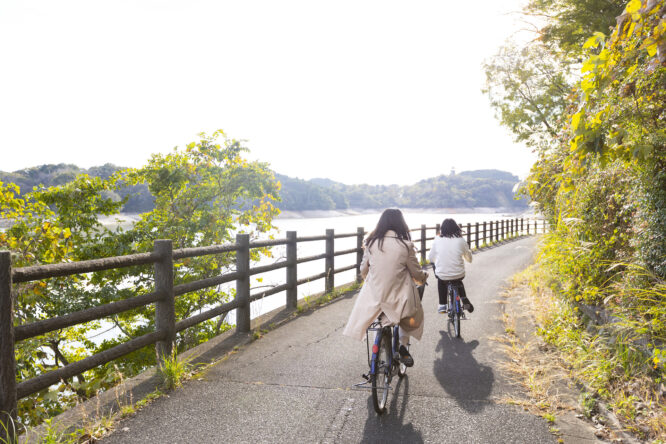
446, 255
389, 267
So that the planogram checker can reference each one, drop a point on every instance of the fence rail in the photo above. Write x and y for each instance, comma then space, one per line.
165, 292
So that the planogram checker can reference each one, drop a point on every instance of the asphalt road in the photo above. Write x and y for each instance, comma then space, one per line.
294, 384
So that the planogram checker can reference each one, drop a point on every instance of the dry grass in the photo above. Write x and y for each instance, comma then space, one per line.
532, 368
568, 349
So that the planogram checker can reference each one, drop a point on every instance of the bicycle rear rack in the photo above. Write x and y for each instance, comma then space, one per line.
374, 327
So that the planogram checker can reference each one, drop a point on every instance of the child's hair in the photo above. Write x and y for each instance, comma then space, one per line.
391, 219
450, 228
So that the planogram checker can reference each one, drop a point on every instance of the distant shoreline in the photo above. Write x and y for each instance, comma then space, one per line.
127, 219
309, 214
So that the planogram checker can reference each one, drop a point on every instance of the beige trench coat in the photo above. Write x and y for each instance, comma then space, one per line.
389, 287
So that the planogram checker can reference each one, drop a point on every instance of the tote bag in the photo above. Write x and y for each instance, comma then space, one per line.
412, 314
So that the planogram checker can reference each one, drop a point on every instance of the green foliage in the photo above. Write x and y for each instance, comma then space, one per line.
203, 195
600, 179
528, 88
8, 429
549, 417
571, 22
137, 198
173, 371
588, 404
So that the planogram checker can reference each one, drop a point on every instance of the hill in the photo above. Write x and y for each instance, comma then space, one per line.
479, 188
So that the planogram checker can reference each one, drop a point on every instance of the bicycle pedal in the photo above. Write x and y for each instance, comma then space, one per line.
366, 377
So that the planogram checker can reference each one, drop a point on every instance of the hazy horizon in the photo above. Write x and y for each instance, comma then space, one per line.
374, 92
279, 173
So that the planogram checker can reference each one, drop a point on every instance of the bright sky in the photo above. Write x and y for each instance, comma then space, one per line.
357, 91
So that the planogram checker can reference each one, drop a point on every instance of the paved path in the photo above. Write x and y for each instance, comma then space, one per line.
293, 385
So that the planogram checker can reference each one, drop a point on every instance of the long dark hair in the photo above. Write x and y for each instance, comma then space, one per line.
450, 228
391, 219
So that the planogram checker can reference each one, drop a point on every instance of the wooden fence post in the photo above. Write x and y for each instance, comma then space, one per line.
485, 239
243, 283
528, 227
292, 271
165, 309
469, 235
502, 228
330, 260
476, 237
360, 232
437, 228
522, 226
423, 244
8, 409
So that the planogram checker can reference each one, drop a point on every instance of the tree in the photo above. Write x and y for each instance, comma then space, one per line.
530, 85
204, 194
50, 225
528, 88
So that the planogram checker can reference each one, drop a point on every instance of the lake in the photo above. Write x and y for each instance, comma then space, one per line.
305, 225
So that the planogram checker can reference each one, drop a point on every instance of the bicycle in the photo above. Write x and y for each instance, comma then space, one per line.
455, 307
384, 361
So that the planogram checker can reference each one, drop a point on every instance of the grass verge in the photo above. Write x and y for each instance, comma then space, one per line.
608, 364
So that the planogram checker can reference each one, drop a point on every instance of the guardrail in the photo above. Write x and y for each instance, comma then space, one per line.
165, 292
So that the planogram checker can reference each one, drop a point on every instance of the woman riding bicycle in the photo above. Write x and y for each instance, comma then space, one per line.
389, 267
446, 256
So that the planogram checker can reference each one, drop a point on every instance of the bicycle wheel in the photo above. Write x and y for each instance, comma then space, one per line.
456, 314
381, 380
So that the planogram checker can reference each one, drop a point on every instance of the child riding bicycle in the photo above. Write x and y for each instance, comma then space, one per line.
446, 256
389, 267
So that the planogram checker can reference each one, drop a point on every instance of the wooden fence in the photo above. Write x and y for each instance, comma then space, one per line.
165, 292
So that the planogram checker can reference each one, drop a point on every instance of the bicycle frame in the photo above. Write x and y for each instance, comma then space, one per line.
454, 299
384, 363
395, 345
455, 308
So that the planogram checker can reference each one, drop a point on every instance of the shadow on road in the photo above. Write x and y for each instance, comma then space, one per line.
389, 427
461, 376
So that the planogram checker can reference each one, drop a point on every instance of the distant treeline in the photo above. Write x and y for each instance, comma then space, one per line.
480, 188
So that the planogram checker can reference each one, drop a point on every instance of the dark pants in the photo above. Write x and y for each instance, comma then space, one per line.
441, 288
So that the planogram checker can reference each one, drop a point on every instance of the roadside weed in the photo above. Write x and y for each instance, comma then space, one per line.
173, 371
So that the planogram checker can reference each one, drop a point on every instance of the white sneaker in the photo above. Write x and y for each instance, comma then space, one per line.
442, 308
